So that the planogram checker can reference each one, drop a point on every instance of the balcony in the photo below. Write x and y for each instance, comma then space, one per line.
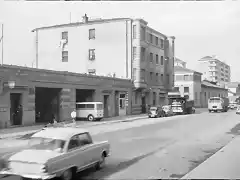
140, 84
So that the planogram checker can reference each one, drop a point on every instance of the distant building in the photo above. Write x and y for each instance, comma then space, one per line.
118, 47
214, 70
179, 62
189, 82
209, 89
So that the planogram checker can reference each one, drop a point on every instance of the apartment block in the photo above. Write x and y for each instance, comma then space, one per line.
120, 47
214, 70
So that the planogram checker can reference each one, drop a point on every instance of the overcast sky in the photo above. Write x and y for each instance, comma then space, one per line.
200, 28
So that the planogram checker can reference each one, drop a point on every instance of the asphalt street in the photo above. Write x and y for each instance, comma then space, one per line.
168, 149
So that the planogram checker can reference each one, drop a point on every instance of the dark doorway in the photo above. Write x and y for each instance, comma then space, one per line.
143, 104
47, 104
117, 103
16, 110
106, 104
85, 95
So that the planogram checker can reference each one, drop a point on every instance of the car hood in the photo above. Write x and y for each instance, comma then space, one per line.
34, 156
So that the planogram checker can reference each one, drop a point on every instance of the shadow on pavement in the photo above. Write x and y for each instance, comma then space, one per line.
235, 130
112, 168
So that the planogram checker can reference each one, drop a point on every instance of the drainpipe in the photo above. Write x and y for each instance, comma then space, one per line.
36, 48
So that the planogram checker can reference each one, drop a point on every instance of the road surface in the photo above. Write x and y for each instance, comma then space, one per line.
167, 149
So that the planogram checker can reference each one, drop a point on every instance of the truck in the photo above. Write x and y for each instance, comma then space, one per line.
181, 105
218, 104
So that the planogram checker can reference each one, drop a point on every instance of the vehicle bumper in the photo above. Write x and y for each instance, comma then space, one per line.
152, 115
31, 176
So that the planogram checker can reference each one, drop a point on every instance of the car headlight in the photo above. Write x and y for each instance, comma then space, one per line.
44, 168
4, 164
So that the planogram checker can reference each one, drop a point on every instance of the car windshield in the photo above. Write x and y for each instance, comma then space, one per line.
153, 108
40, 143
166, 108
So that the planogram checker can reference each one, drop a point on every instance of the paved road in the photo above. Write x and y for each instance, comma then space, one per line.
167, 149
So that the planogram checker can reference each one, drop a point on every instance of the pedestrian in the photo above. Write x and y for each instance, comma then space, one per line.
74, 115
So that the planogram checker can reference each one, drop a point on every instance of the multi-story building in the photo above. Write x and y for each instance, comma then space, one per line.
188, 83
214, 70
119, 47
179, 62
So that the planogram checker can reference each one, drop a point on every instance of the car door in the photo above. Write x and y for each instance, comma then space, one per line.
90, 150
74, 152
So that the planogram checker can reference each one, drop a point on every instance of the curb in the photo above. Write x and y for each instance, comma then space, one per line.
78, 126
186, 176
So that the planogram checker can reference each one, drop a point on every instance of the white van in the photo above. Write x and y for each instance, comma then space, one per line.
90, 110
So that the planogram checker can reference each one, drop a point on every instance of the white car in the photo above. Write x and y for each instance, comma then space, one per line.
56, 152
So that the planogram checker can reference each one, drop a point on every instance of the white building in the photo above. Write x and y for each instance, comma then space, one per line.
120, 47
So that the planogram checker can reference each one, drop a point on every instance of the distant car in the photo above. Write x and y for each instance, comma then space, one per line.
155, 111
233, 106
168, 110
56, 152
238, 110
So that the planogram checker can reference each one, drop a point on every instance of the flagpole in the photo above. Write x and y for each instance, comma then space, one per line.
2, 43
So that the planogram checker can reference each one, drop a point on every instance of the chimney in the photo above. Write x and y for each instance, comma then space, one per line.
85, 19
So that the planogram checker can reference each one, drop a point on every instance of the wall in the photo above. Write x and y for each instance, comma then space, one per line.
109, 44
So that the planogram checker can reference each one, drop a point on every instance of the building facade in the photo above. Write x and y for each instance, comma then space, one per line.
188, 82
214, 70
179, 62
38, 94
120, 47
208, 89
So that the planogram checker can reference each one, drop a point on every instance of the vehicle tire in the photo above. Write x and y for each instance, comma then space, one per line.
90, 117
101, 163
68, 174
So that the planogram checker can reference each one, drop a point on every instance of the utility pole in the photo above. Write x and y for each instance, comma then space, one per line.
2, 43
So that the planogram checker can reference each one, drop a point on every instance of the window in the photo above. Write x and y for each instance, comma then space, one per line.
151, 57
151, 76
168, 79
84, 139
162, 43
143, 74
156, 40
151, 38
185, 77
161, 77
157, 60
99, 106
157, 77
65, 35
136, 97
142, 54
134, 31
134, 53
161, 60
91, 33
74, 143
134, 73
178, 77
186, 89
80, 106
91, 54
64, 56
90, 106
143, 33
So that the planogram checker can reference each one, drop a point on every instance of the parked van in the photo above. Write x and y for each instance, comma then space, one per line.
89, 110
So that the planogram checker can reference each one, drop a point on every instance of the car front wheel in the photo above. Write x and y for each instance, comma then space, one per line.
67, 175
90, 118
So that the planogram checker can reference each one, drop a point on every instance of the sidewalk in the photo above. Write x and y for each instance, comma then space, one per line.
20, 131
222, 165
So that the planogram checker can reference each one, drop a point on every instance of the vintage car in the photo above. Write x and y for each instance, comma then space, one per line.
56, 152
155, 111
167, 110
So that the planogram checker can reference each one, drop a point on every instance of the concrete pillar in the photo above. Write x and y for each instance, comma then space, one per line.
129, 101
67, 103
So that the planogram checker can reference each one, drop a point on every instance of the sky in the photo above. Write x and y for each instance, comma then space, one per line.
201, 28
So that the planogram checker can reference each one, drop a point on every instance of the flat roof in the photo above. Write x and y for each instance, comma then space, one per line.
62, 133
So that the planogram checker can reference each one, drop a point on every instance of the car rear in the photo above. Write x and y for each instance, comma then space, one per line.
153, 112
